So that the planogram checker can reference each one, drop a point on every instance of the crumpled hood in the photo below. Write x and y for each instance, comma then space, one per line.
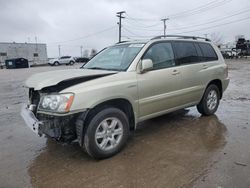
51, 78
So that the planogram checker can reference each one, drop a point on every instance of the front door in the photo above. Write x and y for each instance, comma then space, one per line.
159, 88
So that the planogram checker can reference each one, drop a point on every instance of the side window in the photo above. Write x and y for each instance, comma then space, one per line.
199, 52
161, 54
185, 52
208, 52
65, 57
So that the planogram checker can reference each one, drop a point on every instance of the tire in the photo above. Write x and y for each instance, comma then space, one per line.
210, 101
56, 63
101, 139
71, 63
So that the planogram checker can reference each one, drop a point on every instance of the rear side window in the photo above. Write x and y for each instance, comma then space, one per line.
185, 52
208, 52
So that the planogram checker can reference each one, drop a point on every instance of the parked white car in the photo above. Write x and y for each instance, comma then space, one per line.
67, 60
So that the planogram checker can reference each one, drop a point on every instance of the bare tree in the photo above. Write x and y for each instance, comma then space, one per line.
93, 52
217, 38
86, 53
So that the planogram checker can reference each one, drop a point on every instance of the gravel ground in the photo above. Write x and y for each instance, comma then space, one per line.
181, 149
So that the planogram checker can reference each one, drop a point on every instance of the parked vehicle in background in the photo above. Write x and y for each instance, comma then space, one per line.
2, 65
81, 60
242, 48
99, 104
228, 54
16, 63
66, 60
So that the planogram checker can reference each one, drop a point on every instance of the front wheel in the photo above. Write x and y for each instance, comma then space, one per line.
56, 63
107, 133
210, 101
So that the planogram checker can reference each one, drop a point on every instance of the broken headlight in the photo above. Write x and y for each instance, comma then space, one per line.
56, 102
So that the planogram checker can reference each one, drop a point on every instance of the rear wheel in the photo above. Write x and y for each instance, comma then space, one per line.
107, 133
71, 63
210, 101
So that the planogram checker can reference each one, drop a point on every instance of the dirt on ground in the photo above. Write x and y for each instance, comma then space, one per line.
181, 149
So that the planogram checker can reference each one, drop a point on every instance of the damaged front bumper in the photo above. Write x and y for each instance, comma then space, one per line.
62, 127
30, 119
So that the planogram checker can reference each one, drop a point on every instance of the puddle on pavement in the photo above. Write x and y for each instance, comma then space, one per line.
158, 153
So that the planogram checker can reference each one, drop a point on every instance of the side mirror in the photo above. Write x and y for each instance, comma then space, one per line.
146, 65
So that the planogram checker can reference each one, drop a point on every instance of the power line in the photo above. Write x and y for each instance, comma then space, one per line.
141, 29
134, 34
200, 9
202, 29
130, 32
194, 9
239, 12
83, 37
218, 25
142, 26
212, 21
141, 19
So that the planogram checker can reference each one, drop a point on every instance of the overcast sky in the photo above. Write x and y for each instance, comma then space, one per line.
93, 24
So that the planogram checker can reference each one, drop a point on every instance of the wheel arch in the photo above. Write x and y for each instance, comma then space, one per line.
218, 83
121, 103
56, 62
83, 119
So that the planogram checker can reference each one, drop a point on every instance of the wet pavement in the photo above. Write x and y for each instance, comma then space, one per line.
181, 149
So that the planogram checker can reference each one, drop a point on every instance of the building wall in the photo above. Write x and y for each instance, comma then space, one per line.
35, 53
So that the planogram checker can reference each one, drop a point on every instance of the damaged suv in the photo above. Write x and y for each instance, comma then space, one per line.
100, 103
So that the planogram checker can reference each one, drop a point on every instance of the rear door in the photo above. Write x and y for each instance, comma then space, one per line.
209, 62
189, 62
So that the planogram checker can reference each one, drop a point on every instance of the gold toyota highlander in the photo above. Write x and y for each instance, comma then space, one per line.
124, 84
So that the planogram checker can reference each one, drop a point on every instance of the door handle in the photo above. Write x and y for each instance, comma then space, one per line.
204, 67
175, 72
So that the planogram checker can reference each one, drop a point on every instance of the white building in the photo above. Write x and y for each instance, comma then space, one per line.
36, 53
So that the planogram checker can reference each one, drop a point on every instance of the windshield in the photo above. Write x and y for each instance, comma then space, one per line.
115, 58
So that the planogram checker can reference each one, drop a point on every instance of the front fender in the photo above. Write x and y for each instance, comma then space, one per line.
118, 86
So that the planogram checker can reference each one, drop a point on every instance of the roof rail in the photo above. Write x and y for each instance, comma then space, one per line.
181, 37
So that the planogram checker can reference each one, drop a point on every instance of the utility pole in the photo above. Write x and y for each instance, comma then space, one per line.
36, 42
120, 16
81, 47
59, 50
164, 25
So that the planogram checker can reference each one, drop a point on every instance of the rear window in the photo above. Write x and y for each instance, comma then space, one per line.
185, 52
208, 52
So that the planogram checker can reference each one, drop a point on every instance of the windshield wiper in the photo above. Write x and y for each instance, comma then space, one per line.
97, 68
100, 68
